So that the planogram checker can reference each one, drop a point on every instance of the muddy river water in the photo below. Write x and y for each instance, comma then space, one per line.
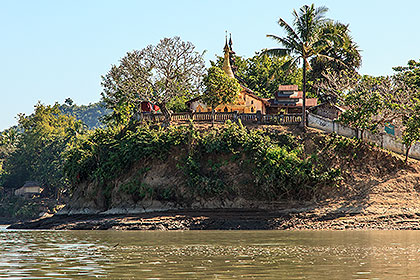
209, 254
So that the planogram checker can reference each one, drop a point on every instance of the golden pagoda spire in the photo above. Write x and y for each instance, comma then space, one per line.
226, 61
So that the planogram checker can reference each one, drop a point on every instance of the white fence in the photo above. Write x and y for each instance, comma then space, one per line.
383, 140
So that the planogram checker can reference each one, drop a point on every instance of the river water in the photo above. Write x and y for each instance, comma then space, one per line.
209, 255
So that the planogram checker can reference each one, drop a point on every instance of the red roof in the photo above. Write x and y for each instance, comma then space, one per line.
288, 88
310, 102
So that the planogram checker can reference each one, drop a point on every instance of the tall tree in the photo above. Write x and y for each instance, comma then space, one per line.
341, 58
157, 74
411, 122
304, 41
9, 139
220, 89
38, 154
410, 73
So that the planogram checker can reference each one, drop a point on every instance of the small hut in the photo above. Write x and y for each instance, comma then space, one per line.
29, 188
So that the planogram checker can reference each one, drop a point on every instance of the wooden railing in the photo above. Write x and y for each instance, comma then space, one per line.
288, 119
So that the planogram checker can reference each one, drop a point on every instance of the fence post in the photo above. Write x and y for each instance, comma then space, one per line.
235, 116
259, 117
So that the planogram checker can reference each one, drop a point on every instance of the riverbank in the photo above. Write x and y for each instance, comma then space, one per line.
344, 215
374, 189
227, 220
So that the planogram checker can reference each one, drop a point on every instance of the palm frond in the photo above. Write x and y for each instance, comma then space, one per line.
276, 52
287, 42
290, 64
290, 31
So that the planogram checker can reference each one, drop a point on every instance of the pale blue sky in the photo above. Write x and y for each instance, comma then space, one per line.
51, 50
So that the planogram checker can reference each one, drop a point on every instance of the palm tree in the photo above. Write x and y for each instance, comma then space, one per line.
303, 41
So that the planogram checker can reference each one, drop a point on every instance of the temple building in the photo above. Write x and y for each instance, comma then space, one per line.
287, 100
246, 102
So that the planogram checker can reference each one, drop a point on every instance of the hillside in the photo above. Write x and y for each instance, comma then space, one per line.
89, 114
305, 181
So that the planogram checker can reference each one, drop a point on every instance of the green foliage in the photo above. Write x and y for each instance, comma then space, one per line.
365, 103
37, 154
411, 123
108, 152
276, 163
137, 189
8, 142
410, 73
263, 74
317, 42
12, 206
340, 55
177, 104
220, 89
208, 183
304, 39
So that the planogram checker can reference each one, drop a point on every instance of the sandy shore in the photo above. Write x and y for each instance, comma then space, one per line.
350, 218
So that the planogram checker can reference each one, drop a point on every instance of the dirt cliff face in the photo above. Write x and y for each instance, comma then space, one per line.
157, 185
373, 181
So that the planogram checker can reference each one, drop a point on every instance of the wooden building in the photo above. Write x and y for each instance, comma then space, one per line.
288, 99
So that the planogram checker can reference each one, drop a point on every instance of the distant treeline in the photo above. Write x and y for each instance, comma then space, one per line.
90, 115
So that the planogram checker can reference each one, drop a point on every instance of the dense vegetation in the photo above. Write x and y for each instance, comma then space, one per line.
34, 152
318, 42
276, 162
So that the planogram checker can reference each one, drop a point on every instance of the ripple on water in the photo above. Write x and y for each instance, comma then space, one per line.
204, 255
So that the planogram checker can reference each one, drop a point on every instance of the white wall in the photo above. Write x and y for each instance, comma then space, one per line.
321, 123
385, 141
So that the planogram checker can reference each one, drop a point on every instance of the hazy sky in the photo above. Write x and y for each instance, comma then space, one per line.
51, 50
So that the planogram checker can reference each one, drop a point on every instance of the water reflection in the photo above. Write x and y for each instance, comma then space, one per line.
209, 255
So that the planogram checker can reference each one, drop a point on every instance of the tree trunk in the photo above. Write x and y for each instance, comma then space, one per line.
407, 151
212, 116
304, 95
167, 114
